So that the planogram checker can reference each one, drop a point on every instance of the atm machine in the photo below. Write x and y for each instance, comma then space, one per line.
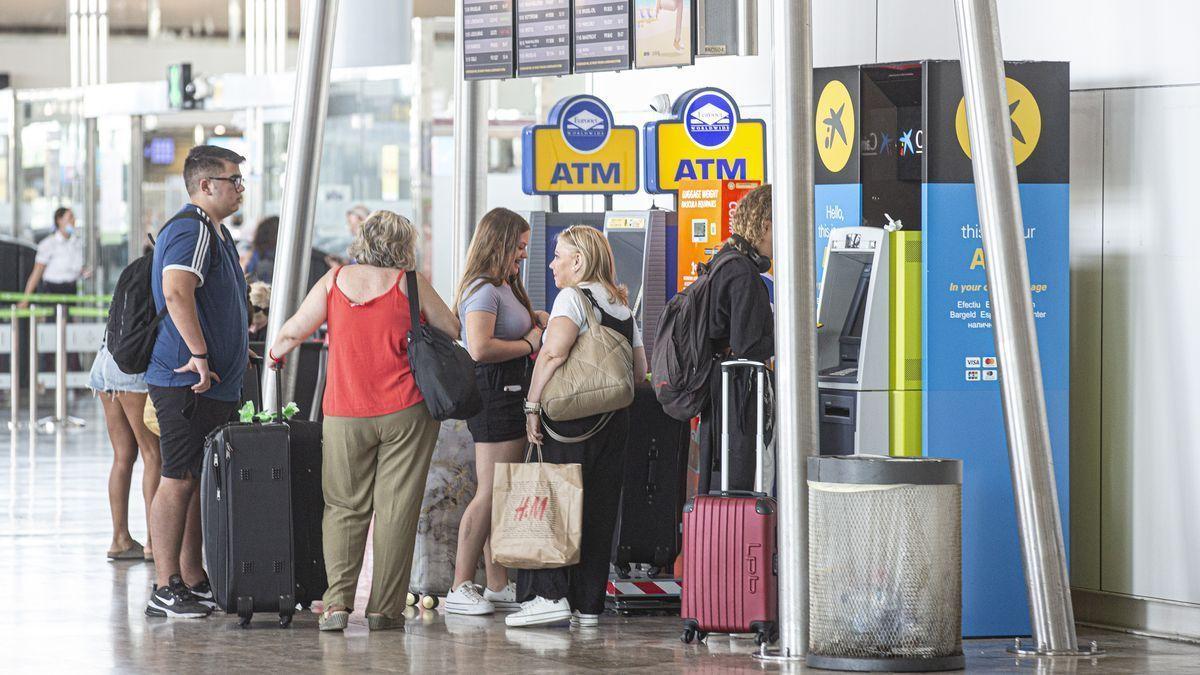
869, 343
853, 322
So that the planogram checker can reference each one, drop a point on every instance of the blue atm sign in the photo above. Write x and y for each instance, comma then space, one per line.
580, 151
706, 140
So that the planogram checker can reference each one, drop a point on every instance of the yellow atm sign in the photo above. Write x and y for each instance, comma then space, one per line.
707, 140
580, 151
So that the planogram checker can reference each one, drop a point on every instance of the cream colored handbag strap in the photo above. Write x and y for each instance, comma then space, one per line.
575, 439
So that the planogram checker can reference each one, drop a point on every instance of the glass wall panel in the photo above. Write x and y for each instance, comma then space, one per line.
113, 145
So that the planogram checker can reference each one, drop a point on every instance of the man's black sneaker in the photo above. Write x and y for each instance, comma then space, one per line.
175, 601
203, 592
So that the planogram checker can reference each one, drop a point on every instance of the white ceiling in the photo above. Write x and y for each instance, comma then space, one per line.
201, 17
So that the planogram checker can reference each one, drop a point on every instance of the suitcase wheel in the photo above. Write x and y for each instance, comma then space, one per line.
623, 570
411, 600
285, 620
245, 610
692, 633
429, 601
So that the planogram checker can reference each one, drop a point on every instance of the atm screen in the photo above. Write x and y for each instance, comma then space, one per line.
629, 250
851, 336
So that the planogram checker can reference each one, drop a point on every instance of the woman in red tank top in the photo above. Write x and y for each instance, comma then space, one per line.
378, 435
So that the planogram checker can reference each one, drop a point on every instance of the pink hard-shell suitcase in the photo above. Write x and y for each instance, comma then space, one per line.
729, 554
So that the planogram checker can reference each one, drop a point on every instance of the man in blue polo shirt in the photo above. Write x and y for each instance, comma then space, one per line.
195, 374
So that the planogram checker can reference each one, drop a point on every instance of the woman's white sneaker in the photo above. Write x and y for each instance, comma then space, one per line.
540, 612
505, 598
584, 620
466, 600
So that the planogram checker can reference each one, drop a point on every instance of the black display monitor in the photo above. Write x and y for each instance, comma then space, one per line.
893, 145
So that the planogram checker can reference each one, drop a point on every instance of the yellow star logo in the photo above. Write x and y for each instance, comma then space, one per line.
1024, 115
835, 126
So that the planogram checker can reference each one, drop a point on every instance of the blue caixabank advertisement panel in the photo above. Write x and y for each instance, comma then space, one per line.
962, 412
838, 187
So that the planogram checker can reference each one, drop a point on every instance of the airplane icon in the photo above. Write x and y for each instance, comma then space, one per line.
834, 123
906, 143
1016, 130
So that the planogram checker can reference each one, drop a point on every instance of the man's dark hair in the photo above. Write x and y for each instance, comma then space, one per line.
59, 213
205, 161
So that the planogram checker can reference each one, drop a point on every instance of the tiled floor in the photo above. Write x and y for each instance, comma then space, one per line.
69, 610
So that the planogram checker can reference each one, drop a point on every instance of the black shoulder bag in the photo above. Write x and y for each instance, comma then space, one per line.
444, 371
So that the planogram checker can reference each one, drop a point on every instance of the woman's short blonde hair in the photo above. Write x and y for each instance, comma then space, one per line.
386, 239
752, 218
597, 262
260, 302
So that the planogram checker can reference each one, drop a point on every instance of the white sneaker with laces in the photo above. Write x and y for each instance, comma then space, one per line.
584, 620
466, 600
506, 598
540, 612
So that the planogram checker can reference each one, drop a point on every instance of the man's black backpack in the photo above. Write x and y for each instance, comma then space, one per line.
132, 320
683, 353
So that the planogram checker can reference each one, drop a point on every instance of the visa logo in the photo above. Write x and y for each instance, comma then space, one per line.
580, 172
721, 169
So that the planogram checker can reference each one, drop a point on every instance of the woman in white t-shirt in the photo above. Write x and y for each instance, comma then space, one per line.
583, 268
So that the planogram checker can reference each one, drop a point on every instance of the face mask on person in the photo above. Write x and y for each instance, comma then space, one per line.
69, 230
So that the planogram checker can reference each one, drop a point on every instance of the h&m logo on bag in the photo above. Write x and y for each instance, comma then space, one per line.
531, 508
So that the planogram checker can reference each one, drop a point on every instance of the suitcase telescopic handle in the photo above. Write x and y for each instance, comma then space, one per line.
760, 370
277, 366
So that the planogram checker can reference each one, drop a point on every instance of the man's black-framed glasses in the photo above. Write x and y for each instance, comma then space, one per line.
236, 179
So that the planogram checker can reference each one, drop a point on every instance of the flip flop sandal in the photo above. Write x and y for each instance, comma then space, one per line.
384, 622
134, 552
334, 619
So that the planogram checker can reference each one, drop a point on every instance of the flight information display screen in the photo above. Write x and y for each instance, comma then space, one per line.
543, 37
487, 39
603, 35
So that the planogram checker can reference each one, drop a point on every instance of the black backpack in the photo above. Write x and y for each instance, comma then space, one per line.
683, 354
132, 320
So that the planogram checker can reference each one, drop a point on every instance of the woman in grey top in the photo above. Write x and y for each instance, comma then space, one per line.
501, 330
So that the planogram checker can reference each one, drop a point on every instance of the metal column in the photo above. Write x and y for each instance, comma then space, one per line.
470, 153
1023, 399
747, 28
795, 309
14, 371
137, 231
300, 182
91, 211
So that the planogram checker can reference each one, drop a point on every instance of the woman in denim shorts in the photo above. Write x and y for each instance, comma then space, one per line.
124, 399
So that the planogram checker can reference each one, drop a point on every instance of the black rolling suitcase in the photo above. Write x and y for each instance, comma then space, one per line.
308, 507
652, 493
254, 478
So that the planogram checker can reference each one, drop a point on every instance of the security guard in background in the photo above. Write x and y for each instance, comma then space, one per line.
59, 262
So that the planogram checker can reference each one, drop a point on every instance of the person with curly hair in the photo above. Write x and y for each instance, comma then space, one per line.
741, 326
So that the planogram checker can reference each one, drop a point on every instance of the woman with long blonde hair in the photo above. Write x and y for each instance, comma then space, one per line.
585, 272
501, 331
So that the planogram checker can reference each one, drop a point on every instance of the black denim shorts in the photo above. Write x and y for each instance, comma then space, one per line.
184, 420
502, 386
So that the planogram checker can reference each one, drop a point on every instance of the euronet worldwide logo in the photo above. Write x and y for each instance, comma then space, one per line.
1025, 121
710, 120
586, 125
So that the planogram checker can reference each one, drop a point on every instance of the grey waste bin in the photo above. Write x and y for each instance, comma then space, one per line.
885, 563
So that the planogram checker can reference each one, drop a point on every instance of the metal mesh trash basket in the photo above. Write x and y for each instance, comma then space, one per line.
885, 570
